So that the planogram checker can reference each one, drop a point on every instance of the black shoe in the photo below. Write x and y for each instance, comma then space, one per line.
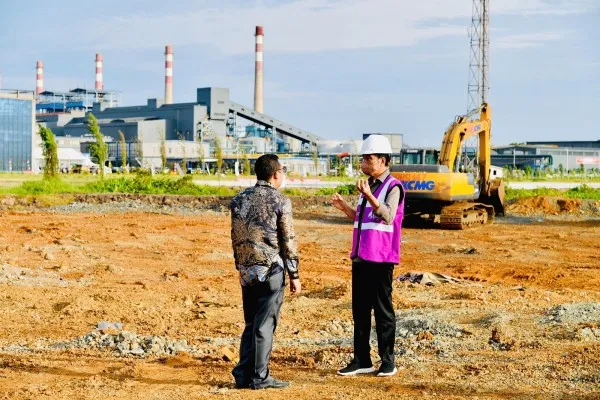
270, 384
242, 385
387, 369
354, 369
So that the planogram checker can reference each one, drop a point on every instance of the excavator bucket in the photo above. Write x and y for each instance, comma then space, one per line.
495, 196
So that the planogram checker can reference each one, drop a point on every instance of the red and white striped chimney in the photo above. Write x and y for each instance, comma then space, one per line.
258, 72
99, 80
168, 74
39, 77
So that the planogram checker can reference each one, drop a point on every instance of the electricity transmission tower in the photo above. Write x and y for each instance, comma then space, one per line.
478, 87
479, 60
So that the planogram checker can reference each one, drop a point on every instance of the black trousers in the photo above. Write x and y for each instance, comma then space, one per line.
372, 290
262, 303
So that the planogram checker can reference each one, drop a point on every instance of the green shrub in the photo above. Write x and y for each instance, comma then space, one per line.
146, 184
584, 192
296, 192
349, 189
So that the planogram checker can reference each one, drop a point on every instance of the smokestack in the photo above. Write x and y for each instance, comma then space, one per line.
99, 81
39, 77
168, 74
258, 72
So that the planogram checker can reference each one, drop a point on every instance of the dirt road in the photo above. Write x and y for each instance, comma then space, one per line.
522, 322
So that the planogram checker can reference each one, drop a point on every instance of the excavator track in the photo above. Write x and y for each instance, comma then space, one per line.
465, 215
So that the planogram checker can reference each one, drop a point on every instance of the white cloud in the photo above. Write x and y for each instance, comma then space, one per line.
300, 26
527, 40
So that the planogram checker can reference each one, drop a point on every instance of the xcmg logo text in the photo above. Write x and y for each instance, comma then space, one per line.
418, 185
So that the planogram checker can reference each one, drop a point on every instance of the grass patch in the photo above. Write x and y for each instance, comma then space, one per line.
582, 192
137, 184
44, 186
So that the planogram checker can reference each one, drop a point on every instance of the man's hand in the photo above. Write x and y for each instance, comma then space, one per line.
295, 286
363, 186
338, 202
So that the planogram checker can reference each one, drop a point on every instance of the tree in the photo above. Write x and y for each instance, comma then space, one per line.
561, 169
218, 154
163, 150
246, 164
98, 149
200, 152
356, 159
123, 150
315, 157
50, 152
183, 155
139, 149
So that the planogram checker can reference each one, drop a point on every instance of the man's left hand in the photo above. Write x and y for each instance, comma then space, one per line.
363, 186
295, 286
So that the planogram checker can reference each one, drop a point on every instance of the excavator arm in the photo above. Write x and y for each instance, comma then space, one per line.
462, 129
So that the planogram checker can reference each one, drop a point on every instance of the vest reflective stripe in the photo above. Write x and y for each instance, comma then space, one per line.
375, 226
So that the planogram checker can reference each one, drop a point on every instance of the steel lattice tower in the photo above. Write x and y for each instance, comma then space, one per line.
479, 60
478, 77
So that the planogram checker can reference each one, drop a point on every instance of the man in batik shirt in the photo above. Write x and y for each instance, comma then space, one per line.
265, 249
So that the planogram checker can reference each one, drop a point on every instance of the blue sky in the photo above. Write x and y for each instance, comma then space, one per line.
337, 68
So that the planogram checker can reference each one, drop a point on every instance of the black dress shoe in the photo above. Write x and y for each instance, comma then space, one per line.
270, 384
242, 385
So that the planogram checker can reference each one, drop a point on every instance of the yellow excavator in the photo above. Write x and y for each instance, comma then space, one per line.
457, 193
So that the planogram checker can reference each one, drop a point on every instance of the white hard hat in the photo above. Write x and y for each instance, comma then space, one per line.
376, 144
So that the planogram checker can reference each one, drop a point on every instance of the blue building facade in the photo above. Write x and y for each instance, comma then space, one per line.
16, 133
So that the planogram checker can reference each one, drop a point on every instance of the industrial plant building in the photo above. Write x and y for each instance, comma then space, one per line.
189, 132
18, 133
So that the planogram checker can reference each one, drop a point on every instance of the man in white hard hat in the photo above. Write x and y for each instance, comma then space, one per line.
375, 250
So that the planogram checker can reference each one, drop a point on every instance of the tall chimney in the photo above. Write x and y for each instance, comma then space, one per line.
39, 77
99, 80
258, 72
168, 74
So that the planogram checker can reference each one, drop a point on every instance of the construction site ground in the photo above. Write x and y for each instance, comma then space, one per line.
521, 319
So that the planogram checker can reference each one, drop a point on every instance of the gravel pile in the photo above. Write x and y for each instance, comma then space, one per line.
589, 333
574, 313
413, 323
110, 336
131, 206
11, 275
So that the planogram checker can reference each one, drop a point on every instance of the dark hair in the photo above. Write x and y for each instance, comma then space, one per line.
266, 166
386, 156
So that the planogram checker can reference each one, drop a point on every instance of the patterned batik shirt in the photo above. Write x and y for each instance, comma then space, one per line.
262, 234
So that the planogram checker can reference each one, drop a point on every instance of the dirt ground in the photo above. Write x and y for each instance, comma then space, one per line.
522, 321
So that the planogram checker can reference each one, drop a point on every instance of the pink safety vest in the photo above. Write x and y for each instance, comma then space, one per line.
377, 241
